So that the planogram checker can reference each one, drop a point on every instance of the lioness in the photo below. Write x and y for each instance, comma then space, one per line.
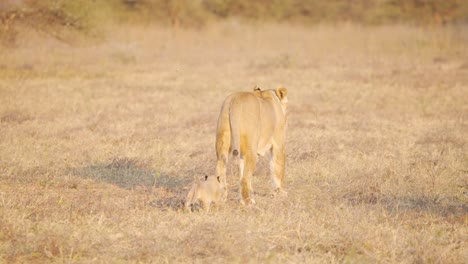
251, 124
211, 190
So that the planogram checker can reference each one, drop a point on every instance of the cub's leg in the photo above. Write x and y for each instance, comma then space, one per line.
191, 198
206, 205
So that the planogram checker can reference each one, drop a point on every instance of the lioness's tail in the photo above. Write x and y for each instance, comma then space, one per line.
235, 131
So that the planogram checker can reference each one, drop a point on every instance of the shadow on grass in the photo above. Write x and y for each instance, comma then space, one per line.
129, 173
164, 203
445, 207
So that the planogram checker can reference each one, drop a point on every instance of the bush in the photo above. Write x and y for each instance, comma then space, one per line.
88, 16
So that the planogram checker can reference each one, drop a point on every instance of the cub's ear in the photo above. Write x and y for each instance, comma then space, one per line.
256, 88
206, 177
218, 179
282, 94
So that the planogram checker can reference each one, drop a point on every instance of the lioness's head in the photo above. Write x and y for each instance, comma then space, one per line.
282, 94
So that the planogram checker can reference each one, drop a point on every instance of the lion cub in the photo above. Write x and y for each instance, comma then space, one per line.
206, 192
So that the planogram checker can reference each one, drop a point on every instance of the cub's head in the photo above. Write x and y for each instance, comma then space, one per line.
212, 178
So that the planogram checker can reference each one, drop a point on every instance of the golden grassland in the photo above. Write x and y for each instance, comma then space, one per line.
100, 140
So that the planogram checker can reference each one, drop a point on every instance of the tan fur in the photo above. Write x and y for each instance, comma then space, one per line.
251, 124
206, 192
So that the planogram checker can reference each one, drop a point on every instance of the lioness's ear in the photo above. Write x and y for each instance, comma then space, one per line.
256, 88
206, 177
282, 93
218, 179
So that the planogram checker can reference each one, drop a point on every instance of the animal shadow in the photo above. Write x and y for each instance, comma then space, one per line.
129, 173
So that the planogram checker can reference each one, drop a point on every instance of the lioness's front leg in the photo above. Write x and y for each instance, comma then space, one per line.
277, 167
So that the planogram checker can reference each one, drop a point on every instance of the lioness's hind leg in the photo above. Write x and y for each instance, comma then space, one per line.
246, 178
222, 152
241, 168
221, 172
277, 169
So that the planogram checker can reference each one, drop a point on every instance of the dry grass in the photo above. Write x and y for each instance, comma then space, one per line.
99, 142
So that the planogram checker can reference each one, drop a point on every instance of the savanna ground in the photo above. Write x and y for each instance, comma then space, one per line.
100, 140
